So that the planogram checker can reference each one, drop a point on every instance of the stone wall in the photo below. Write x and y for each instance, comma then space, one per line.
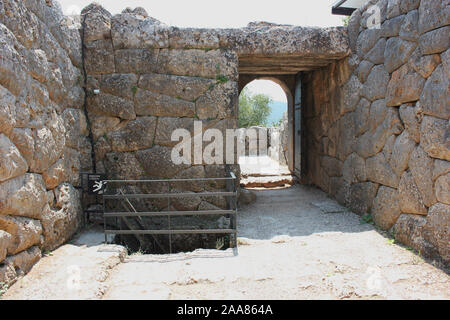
377, 123
43, 132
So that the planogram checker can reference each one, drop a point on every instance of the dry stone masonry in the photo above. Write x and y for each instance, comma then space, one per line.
377, 123
103, 93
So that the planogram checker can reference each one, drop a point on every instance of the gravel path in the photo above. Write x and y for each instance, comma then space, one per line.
294, 243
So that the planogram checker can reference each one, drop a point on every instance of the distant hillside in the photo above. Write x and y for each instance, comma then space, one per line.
278, 108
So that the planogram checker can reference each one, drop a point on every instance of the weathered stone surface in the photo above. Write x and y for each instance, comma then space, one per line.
122, 85
363, 70
376, 54
5, 242
353, 29
393, 9
409, 5
24, 232
433, 14
24, 141
137, 61
60, 223
435, 137
410, 118
76, 126
435, 41
397, 53
109, 105
378, 170
442, 187
421, 167
386, 209
195, 172
353, 88
361, 196
186, 88
354, 169
409, 29
410, 199
167, 125
12, 164
366, 40
55, 174
376, 84
99, 57
219, 102
391, 27
409, 230
157, 162
424, 65
440, 167
133, 135
401, 151
7, 110
23, 196
156, 104
198, 63
361, 116
435, 98
404, 86
19, 264
123, 165
97, 23
437, 227
100, 125
332, 166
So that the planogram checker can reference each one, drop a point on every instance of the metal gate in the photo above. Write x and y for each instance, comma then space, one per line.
138, 228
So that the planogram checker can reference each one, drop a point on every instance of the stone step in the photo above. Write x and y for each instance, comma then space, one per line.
266, 181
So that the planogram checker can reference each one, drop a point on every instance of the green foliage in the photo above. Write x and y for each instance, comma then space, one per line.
221, 78
3, 288
277, 123
254, 109
134, 89
345, 21
366, 219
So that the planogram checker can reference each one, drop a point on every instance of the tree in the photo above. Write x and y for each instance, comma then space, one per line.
254, 109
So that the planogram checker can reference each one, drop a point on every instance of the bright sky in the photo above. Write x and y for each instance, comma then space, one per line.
223, 13
226, 14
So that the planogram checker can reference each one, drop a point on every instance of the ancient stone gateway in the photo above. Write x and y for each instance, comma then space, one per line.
368, 112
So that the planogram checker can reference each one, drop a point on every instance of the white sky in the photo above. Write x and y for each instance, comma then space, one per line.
224, 13
227, 14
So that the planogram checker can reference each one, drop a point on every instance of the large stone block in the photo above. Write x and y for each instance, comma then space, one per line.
186, 88
421, 167
23, 196
5, 243
354, 169
366, 40
157, 162
18, 265
409, 29
435, 98
137, 61
7, 110
25, 232
397, 53
442, 187
133, 135
378, 170
76, 127
218, 103
376, 54
391, 27
122, 85
424, 65
404, 86
435, 41
440, 168
401, 151
167, 125
361, 197
210, 64
109, 105
410, 117
438, 229
434, 137
123, 165
376, 83
409, 230
410, 199
433, 14
12, 164
99, 57
386, 209
60, 223
160, 105
97, 23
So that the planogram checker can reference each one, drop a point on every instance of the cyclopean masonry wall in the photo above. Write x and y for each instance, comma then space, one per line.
146, 79
43, 132
378, 123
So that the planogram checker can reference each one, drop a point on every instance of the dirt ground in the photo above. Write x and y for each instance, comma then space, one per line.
294, 243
